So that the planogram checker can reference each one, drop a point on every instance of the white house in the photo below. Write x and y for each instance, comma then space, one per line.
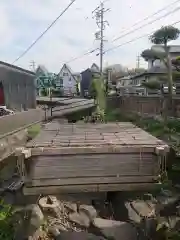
68, 80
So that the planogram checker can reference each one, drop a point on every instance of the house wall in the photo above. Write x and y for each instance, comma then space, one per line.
86, 80
69, 83
19, 87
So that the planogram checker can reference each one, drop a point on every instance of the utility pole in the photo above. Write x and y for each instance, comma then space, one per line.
98, 13
138, 62
33, 65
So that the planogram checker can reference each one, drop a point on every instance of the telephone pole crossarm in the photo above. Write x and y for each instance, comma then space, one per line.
101, 23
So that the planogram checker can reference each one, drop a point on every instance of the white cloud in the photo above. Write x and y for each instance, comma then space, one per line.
23, 21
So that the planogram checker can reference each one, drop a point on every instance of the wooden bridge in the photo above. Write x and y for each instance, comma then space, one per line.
91, 157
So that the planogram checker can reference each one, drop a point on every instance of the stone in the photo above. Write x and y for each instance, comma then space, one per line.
72, 207
168, 206
79, 236
143, 208
36, 218
50, 205
89, 210
29, 219
166, 193
80, 219
149, 225
178, 210
132, 214
54, 231
115, 229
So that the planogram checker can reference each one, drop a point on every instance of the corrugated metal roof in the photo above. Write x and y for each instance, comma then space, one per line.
15, 68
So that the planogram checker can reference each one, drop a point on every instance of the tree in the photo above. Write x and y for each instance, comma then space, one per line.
152, 55
163, 36
176, 63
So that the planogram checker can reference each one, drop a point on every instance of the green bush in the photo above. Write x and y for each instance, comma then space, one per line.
6, 223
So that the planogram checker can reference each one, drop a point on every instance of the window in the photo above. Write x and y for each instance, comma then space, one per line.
61, 82
65, 74
69, 79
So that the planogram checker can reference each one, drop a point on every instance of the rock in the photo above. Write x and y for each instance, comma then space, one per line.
89, 210
79, 236
72, 207
149, 197
143, 208
50, 205
54, 231
29, 221
36, 218
115, 229
149, 225
80, 219
178, 210
168, 206
174, 222
132, 214
166, 193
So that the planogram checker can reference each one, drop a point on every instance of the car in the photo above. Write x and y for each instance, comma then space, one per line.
5, 111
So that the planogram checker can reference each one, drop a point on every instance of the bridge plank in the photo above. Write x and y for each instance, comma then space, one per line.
90, 180
92, 157
87, 188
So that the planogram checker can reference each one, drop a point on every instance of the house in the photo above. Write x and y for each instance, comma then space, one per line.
95, 68
156, 69
68, 80
174, 52
17, 87
45, 80
86, 78
153, 74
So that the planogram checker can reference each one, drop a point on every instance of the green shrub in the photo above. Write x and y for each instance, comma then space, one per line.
6, 223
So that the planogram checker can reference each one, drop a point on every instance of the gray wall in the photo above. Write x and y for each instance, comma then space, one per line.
19, 120
19, 87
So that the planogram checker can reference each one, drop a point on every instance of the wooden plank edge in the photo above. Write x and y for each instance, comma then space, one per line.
91, 180
100, 149
89, 188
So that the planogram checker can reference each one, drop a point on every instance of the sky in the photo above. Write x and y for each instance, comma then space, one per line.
22, 21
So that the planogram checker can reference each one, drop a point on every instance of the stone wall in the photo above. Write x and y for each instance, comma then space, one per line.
144, 105
19, 120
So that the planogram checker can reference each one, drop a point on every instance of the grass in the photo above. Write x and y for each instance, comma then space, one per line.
34, 130
152, 126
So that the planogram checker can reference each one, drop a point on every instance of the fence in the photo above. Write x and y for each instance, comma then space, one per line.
144, 105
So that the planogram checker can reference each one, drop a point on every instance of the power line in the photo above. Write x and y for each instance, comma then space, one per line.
135, 39
149, 23
82, 55
152, 15
91, 50
159, 18
125, 43
48, 28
